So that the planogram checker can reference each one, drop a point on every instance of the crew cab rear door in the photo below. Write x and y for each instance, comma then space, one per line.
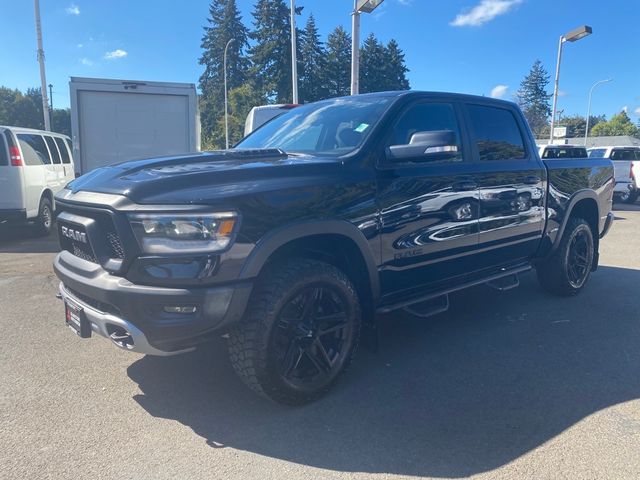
511, 178
428, 205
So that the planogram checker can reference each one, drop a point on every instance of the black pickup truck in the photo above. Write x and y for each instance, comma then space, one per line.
293, 241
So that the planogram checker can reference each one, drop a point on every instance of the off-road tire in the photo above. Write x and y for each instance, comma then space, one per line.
554, 273
251, 349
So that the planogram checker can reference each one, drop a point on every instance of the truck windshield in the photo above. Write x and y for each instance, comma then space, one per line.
332, 127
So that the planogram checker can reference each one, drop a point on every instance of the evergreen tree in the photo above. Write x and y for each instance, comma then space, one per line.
533, 98
225, 23
271, 54
395, 68
338, 70
373, 54
241, 100
313, 86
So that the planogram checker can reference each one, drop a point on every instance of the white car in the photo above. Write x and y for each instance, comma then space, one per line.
626, 163
258, 116
34, 166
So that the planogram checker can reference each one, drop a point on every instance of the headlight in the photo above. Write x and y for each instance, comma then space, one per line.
184, 233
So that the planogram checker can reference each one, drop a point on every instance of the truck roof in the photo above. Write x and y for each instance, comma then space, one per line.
448, 95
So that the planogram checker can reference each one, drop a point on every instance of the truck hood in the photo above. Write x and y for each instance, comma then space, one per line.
206, 177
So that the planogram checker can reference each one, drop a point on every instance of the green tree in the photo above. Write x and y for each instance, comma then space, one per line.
338, 70
619, 124
241, 100
313, 85
372, 60
395, 68
61, 120
271, 53
224, 24
533, 98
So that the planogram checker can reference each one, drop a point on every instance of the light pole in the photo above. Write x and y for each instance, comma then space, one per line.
359, 6
294, 53
226, 105
586, 130
43, 77
573, 36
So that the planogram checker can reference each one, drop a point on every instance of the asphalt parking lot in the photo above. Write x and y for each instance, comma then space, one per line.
517, 384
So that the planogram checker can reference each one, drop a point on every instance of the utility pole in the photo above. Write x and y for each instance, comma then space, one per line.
294, 53
43, 77
355, 49
51, 96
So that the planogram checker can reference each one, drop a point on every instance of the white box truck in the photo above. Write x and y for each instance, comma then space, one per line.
118, 120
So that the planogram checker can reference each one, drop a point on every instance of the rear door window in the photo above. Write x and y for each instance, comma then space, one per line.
497, 135
63, 150
623, 154
597, 153
34, 150
55, 155
4, 151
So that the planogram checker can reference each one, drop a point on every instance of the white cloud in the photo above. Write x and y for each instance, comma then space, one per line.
637, 111
562, 93
80, 45
73, 10
86, 62
405, 2
484, 12
115, 54
499, 91
625, 109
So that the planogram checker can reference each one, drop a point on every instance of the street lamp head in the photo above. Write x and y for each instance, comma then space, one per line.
578, 34
367, 6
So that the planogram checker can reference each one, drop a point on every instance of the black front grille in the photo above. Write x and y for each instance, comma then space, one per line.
110, 245
84, 253
115, 245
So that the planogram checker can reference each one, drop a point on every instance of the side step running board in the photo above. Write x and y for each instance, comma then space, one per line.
505, 283
504, 280
430, 307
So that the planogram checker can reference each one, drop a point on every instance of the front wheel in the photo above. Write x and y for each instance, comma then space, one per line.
300, 331
566, 272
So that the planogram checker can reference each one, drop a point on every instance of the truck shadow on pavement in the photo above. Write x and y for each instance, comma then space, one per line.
465, 392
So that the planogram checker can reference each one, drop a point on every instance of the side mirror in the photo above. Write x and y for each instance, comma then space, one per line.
426, 146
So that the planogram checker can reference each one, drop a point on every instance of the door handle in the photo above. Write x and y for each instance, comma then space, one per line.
531, 180
464, 186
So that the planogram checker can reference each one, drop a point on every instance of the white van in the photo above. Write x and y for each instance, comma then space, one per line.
34, 166
258, 116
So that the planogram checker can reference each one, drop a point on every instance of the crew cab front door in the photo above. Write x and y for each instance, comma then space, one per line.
428, 206
512, 181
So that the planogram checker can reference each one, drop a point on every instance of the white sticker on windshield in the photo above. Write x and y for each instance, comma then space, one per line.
362, 127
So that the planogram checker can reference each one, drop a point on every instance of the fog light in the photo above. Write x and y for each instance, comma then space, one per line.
180, 309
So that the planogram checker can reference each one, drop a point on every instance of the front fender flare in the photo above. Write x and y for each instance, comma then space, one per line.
283, 235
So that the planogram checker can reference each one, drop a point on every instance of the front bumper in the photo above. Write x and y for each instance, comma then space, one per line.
112, 304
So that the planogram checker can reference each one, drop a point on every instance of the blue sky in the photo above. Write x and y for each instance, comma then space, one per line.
470, 46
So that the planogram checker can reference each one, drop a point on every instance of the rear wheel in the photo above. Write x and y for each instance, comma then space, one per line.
629, 196
566, 272
44, 221
300, 332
